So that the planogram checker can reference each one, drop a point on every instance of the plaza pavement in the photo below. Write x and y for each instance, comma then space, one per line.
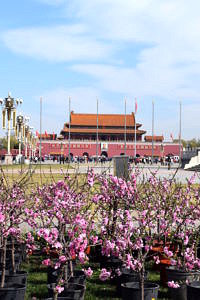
107, 168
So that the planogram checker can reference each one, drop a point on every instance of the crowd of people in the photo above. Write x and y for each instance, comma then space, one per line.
61, 159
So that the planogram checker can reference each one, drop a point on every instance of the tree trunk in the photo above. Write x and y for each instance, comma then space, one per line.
13, 255
71, 268
55, 294
66, 275
3, 263
142, 283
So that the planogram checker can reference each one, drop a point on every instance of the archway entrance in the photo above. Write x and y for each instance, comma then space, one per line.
104, 153
85, 154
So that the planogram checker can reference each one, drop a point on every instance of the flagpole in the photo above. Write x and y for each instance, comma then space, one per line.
125, 129
69, 137
40, 152
97, 136
152, 132
180, 121
135, 128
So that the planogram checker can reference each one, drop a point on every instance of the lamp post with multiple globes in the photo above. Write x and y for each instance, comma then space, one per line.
9, 108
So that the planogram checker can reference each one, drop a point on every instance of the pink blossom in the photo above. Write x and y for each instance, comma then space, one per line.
157, 260
62, 259
173, 262
88, 272
59, 289
94, 239
46, 262
58, 245
104, 275
173, 285
167, 252
2, 218
81, 256
186, 240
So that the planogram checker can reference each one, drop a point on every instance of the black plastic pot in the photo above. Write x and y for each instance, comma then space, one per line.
132, 291
127, 275
78, 278
52, 274
14, 292
17, 254
75, 291
179, 276
193, 290
9, 264
112, 263
20, 277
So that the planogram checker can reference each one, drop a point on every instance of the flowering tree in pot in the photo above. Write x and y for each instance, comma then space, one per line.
126, 224
184, 228
132, 217
12, 204
64, 221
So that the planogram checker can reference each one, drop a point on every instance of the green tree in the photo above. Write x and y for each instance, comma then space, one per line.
14, 144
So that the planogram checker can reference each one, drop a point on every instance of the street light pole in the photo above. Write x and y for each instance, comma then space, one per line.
40, 149
9, 118
19, 128
97, 133
69, 137
152, 132
9, 107
180, 123
125, 126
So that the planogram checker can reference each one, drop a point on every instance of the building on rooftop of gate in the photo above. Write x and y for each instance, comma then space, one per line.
155, 138
111, 127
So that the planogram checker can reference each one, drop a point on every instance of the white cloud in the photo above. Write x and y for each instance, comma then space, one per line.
59, 43
165, 32
83, 100
167, 37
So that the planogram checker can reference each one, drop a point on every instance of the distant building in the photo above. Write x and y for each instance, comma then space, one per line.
155, 138
111, 127
112, 130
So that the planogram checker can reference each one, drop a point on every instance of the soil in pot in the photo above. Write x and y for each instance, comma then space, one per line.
131, 291
179, 276
75, 291
14, 292
193, 290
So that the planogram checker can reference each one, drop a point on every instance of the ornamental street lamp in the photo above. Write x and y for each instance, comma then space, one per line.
26, 133
30, 140
34, 145
26, 140
9, 108
19, 132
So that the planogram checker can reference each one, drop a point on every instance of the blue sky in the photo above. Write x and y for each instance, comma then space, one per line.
105, 49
